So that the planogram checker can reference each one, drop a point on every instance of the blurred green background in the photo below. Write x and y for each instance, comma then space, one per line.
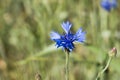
26, 48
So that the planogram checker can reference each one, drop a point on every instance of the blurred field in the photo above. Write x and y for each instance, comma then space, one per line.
26, 48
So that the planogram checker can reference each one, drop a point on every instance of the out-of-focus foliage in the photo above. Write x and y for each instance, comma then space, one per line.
26, 48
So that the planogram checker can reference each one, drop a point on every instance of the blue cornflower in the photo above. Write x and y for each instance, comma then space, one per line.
66, 40
109, 4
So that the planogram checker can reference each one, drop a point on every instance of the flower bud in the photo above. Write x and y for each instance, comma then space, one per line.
112, 52
38, 76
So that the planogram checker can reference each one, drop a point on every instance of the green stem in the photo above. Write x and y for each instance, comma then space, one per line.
107, 65
67, 66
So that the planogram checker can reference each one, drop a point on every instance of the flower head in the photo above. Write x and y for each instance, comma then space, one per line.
113, 52
108, 5
66, 40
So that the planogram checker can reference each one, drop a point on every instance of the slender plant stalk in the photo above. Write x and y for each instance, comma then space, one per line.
67, 65
104, 69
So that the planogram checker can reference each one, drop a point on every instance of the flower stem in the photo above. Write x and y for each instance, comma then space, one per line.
104, 69
67, 65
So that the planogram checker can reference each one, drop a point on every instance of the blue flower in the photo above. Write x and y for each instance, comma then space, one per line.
66, 40
108, 5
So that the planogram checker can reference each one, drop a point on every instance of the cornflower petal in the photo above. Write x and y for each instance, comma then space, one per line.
80, 35
54, 35
66, 26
